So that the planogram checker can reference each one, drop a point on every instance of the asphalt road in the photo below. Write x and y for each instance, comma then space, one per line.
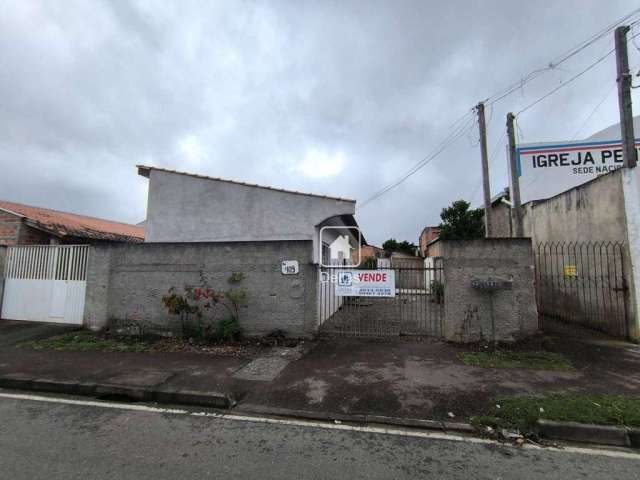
51, 440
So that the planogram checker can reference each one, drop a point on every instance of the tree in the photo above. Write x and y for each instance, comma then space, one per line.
392, 245
461, 223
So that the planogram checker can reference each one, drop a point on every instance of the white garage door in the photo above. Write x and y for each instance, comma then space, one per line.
45, 283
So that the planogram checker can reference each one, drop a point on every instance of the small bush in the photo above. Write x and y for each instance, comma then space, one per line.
229, 329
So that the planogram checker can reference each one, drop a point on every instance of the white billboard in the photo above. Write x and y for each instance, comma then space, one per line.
546, 170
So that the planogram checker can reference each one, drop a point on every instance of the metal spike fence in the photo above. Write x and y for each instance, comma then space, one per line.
582, 284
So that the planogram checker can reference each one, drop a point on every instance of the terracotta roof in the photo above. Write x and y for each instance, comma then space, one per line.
70, 224
144, 171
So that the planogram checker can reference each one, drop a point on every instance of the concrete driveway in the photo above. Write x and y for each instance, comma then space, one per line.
13, 331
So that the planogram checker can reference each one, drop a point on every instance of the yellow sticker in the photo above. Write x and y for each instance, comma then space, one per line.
570, 271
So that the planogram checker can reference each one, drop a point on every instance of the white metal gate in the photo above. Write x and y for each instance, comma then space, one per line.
45, 283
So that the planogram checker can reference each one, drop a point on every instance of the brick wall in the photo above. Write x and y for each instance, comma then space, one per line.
9, 228
126, 282
428, 234
32, 236
472, 314
13, 231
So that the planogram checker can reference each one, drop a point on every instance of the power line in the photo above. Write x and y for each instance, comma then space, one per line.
450, 139
457, 133
595, 109
566, 82
553, 64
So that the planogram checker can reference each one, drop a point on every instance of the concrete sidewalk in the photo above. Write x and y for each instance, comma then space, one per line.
354, 377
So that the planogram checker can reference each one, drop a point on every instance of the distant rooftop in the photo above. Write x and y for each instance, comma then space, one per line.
65, 224
144, 170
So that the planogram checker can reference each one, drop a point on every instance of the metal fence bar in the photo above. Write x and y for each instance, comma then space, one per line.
582, 284
415, 310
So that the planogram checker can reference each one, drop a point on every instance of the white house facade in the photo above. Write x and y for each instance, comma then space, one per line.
184, 207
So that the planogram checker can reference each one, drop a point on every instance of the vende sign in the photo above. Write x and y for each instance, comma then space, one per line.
366, 283
546, 170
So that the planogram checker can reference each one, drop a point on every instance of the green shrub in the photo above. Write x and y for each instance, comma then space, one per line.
229, 329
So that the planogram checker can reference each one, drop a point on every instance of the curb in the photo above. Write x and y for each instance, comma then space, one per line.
589, 433
20, 381
361, 419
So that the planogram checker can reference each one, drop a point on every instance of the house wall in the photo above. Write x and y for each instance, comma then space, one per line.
472, 314
13, 231
183, 208
434, 250
126, 282
9, 228
427, 234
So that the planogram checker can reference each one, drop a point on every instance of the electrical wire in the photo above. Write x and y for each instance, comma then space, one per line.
491, 100
565, 83
595, 109
554, 63
449, 140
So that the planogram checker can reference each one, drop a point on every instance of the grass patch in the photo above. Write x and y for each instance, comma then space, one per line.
536, 360
87, 342
522, 412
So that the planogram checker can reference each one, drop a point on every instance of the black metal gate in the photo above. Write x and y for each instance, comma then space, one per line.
416, 309
582, 284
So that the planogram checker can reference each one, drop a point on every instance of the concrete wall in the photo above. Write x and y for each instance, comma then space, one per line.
126, 283
631, 189
501, 218
184, 208
472, 314
3, 257
594, 211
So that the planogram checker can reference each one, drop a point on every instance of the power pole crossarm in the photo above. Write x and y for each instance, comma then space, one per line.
488, 226
516, 207
630, 156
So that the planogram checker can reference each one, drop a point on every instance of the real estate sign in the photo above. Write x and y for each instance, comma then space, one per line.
366, 283
546, 170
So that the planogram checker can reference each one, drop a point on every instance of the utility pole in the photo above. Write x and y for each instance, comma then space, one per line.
630, 156
516, 207
488, 230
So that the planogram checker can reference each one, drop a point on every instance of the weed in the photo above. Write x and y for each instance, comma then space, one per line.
536, 360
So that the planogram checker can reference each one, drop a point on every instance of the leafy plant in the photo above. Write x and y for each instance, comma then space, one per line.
194, 302
229, 329
392, 245
461, 223
236, 277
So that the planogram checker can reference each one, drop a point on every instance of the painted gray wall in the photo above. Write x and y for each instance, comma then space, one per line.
594, 211
590, 212
184, 208
126, 282
468, 316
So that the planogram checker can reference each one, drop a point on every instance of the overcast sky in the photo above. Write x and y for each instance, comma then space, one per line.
338, 98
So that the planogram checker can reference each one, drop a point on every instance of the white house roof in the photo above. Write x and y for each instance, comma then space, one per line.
144, 171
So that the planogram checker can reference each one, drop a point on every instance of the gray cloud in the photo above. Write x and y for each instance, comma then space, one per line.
267, 92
